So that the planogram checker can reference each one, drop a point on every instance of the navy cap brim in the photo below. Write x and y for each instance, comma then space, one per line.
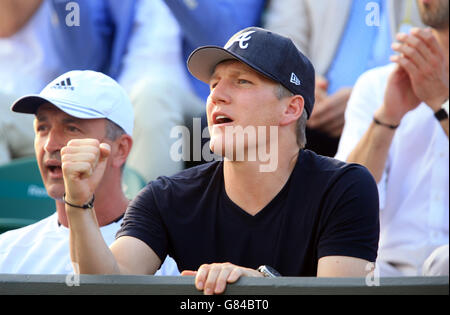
29, 104
203, 61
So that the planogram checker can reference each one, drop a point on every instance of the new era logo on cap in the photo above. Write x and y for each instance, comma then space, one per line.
295, 79
268, 53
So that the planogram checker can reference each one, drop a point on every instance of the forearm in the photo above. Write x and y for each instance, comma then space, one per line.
88, 249
372, 150
14, 14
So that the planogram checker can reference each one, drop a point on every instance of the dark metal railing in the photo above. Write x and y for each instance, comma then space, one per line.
154, 285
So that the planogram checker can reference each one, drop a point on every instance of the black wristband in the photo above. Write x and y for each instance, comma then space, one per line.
88, 205
441, 114
376, 121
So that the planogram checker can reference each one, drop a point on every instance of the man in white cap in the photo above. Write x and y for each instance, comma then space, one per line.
76, 105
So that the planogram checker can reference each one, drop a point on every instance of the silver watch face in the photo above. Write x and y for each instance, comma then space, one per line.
269, 272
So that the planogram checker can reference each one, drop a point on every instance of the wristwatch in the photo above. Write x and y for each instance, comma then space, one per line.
268, 271
443, 112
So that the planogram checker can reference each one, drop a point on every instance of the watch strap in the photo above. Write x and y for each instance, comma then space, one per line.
441, 114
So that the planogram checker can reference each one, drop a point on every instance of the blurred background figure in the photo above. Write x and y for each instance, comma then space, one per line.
27, 62
205, 22
202, 22
342, 39
397, 126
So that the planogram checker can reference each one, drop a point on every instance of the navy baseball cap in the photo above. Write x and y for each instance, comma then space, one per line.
268, 53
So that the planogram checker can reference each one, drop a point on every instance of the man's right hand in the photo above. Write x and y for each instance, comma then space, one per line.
83, 165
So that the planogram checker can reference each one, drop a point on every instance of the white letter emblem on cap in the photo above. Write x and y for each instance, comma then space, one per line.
244, 37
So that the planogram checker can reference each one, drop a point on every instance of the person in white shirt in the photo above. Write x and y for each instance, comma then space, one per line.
77, 104
397, 126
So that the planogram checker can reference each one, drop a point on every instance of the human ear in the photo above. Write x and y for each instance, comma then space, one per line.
292, 110
123, 146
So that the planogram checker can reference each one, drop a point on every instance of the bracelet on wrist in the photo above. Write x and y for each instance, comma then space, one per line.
88, 205
392, 127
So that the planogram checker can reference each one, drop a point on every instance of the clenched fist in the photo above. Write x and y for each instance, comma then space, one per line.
83, 166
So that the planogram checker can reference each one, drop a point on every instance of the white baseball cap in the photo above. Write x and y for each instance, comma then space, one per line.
83, 94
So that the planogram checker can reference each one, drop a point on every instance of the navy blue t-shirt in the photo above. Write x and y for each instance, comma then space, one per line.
326, 208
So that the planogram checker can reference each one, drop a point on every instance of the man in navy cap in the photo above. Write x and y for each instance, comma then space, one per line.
306, 215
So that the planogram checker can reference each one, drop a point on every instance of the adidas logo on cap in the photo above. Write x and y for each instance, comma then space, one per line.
64, 84
84, 95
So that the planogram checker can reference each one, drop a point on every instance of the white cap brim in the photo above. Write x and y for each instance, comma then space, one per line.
29, 104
